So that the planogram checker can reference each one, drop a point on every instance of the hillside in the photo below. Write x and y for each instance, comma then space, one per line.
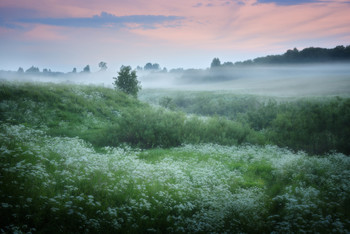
90, 159
104, 117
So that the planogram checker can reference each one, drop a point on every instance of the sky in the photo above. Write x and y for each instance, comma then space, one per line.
63, 34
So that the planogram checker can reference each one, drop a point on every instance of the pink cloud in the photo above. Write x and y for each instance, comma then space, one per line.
44, 33
256, 25
233, 26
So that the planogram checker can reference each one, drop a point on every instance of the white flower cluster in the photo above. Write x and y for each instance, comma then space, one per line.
194, 188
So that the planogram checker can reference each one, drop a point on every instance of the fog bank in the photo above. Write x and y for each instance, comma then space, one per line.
286, 80
297, 80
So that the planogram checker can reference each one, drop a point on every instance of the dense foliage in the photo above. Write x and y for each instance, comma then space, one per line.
315, 125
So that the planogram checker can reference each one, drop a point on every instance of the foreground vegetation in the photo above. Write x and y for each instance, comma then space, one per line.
62, 184
67, 165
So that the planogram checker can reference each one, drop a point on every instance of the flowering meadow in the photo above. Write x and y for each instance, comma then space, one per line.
51, 181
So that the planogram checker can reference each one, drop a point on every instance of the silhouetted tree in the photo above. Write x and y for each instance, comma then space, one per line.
150, 66
33, 69
20, 70
86, 69
215, 63
156, 66
127, 81
291, 55
102, 66
74, 70
307, 55
227, 64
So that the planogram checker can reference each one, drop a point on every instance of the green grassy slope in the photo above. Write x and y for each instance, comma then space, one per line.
105, 117
67, 110
64, 167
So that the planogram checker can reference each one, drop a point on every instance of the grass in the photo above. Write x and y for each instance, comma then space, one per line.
64, 169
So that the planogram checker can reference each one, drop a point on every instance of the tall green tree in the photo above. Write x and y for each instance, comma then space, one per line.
127, 81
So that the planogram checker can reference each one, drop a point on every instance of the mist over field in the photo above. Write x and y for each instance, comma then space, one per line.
282, 80
245, 149
271, 80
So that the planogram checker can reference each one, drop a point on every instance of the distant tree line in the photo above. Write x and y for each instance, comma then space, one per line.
307, 55
293, 56
152, 67
35, 70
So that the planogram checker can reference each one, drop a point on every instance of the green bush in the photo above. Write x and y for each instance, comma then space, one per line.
222, 131
147, 128
313, 126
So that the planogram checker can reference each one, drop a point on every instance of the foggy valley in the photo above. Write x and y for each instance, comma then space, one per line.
172, 150
202, 116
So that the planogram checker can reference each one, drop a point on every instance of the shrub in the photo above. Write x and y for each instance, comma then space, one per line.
147, 128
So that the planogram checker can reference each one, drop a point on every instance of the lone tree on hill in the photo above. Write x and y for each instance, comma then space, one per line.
127, 81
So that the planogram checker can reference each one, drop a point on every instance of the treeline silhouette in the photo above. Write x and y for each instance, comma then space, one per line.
307, 55
293, 56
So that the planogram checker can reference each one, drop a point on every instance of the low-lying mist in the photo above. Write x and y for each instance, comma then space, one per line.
297, 80
277, 80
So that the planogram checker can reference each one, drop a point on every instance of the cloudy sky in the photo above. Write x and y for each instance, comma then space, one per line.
62, 34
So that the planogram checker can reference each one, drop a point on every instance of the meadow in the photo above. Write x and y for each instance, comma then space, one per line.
79, 158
